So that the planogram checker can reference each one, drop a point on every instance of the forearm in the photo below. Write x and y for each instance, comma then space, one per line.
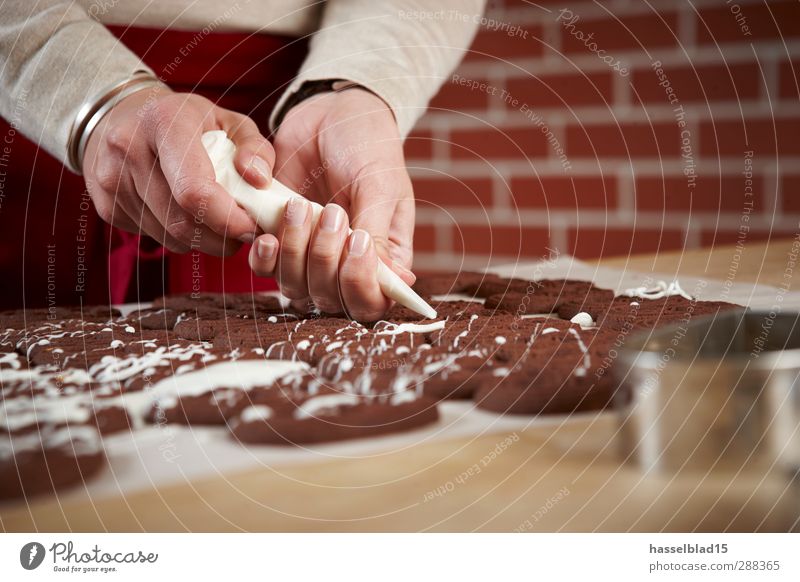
56, 57
402, 50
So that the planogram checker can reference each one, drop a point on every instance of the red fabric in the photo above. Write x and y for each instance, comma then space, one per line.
56, 251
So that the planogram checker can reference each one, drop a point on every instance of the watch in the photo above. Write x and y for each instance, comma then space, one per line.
311, 88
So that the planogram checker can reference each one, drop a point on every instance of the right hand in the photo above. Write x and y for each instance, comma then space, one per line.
147, 171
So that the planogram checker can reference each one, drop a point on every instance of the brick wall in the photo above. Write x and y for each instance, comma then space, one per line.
684, 131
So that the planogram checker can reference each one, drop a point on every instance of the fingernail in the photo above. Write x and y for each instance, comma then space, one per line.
261, 168
359, 243
296, 211
398, 267
331, 218
265, 249
247, 237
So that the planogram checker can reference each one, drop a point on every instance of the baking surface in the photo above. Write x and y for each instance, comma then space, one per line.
472, 470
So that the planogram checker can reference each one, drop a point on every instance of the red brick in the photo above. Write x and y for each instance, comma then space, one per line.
455, 96
703, 83
599, 242
560, 193
718, 24
629, 33
447, 191
419, 145
506, 241
730, 137
718, 238
710, 194
790, 193
789, 80
425, 237
506, 44
491, 143
561, 90
626, 140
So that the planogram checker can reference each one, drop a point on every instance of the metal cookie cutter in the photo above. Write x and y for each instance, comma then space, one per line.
719, 393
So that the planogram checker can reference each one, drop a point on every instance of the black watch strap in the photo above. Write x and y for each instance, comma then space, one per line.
311, 88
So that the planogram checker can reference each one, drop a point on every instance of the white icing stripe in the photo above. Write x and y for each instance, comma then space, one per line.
660, 290
403, 397
587, 359
241, 374
75, 440
320, 404
244, 374
395, 328
256, 413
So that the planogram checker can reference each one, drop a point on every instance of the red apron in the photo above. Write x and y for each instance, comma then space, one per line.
56, 251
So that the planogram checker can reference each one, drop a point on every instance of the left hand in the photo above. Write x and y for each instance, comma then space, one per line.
342, 150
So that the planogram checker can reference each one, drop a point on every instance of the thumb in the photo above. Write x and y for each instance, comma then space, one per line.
255, 156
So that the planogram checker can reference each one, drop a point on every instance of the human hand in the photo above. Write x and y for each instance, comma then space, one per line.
147, 171
342, 150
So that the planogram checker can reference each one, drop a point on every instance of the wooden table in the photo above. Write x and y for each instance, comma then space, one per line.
562, 478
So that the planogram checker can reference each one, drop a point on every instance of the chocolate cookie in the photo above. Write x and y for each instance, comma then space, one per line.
48, 460
332, 417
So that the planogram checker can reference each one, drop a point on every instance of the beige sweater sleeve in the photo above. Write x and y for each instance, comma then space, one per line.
402, 50
54, 57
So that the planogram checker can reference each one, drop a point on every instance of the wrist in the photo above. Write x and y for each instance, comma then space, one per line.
127, 114
93, 110
314, 90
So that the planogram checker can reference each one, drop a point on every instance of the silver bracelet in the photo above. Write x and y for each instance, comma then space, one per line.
92, 111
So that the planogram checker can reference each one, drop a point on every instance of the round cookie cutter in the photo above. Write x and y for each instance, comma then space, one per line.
719, 393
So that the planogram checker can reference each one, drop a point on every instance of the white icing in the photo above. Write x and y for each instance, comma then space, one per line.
499, 340
117, 344
660, 290
320, 405
583, 319
73, 440
466, 332
241, 374
587, 359
10, 359
17, 413
398, 328
403, 397
256, 413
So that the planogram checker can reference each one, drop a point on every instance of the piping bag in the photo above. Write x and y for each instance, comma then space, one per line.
267, 206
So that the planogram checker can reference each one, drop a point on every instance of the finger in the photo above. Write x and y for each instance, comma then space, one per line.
358, 279
294, 235
113, 214
324, 255
179, 124
148, 223
264, 255
255, 157
188, 231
